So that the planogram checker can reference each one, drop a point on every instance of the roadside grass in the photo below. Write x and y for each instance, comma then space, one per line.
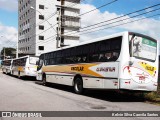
153, 96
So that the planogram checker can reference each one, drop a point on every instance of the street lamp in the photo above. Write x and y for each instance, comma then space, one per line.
4, 55
4, 52
42, 14
45, 20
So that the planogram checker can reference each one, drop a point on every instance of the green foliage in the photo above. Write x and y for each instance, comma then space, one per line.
153, 96
150, 96
8, 52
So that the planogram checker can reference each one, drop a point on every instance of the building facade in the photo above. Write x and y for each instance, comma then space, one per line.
45, 25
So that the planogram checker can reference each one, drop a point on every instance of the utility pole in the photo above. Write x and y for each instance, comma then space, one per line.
17, 50
4, 53
59, 28
45, 20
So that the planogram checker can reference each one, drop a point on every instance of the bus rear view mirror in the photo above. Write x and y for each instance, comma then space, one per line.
37, 62
131, 61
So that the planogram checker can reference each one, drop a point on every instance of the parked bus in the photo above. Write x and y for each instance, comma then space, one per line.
24, 66
123, 61
6, 66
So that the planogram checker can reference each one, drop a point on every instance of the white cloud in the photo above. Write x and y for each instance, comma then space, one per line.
148, 26
8, 36
9, 5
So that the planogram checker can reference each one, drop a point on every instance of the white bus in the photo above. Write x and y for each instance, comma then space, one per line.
6, 66
24, 66
123, 61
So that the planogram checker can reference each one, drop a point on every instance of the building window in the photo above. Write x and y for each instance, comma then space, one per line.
41, 47
41, 6
41, 37
41, 27
41, 17
58, 9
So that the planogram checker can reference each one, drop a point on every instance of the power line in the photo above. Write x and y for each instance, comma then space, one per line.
50, 16
122, 15
123, 23
110, 27
112, 19
84, 13
99, 7
119, 20
47, 19
55, 14
90, 31
42, 31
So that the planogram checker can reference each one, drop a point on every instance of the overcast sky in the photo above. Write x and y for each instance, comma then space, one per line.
149, 26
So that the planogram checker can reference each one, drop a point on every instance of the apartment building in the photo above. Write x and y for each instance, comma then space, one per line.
45, 25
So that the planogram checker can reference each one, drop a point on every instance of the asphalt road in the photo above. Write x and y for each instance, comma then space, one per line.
26, 95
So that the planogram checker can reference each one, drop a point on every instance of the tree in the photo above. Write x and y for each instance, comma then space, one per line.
9, 52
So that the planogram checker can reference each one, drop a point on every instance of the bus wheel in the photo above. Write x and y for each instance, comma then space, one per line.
6, 72
19, 75
78, 86
12, 72
44, 80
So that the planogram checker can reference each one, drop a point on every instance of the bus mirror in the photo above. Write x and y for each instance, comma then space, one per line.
131, 61
37, 62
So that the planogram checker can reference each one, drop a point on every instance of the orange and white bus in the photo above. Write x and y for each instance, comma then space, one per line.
24, 66
123, 61
6, 66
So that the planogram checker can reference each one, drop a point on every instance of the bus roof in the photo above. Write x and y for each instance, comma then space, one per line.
91, 41
99, 39
6, 59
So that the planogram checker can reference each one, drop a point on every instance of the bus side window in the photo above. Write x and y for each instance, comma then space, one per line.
46, 62
115, 56
107, 57
101, 57
116, 43
40, 62
83, 59
94, 57
51, 62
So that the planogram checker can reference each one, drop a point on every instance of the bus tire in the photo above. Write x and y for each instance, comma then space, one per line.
78, 85
44, 80
6, 72
12, 72
19, 74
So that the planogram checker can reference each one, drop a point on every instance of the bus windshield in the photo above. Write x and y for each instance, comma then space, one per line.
33, 60
143, 47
